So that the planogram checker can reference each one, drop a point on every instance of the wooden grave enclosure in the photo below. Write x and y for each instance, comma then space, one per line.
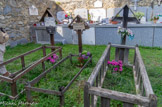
30, 86
144, 97
26, 68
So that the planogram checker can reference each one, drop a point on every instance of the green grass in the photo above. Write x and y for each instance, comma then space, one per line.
63, 74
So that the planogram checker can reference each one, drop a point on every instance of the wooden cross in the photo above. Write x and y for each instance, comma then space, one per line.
79, 25
125, 19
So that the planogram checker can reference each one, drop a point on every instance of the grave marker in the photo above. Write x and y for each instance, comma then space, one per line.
33, 10
97, 14
82, 12
79, 25
50, 27
125, 19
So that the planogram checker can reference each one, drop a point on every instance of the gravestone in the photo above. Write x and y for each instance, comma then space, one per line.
98, 3
33, 10
79, 25
60, 16
50, 21
97, 14
81, 12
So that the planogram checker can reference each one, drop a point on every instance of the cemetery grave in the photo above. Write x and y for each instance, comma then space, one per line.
119, 79
15, 76
94, 86
63, 87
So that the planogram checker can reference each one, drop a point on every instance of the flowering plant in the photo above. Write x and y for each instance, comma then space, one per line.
116, 66
125, 32
83, 57
53, 58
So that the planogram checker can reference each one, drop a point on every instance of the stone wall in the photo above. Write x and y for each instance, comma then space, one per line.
15, 18
73, 4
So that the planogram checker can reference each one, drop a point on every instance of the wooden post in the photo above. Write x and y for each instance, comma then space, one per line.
125, 22
123, 39
13, 89
44, 54
105, 102
51, 30
86, 95
79, 25
28, 95
23, 62
62, 96
60, 53
52, 41
62, 101
125, 19
80, 40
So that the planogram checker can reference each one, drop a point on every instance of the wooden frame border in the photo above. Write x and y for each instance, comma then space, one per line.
59, 93
17, 75
93, 87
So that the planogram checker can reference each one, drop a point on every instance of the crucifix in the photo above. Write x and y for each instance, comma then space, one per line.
79, 25
125, 19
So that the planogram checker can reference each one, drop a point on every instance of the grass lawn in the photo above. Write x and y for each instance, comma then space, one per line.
63, 74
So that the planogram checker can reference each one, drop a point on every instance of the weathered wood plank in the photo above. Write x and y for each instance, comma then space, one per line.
28, 94
53, 92
92, 101
126, 55
34, 65
4, 78
15, 58
86, 95
67, 87
122, 46
35, 80
23, 62
98, 66
13, 89
124, 97
117, 50
144, 75
105, 102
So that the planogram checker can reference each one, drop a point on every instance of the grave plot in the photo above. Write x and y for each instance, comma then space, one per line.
57, 79
22, 68
96, 92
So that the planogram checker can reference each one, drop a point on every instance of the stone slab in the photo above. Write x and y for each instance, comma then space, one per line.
143, 37
97, 14
106, 35
158, 37
88, 36
82, 12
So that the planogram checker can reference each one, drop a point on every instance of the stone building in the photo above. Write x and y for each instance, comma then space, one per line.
15, 17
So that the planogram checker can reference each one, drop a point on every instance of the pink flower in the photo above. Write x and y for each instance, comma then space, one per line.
49, 58
120, 69
52, 60
115, 69
116, 63
120, 62
120, 65
108, 62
